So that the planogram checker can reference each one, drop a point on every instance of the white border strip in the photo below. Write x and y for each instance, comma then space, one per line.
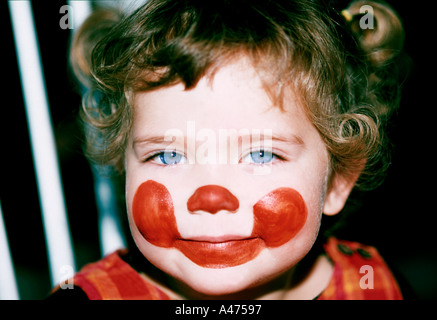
8, 284
50, 189
81, 11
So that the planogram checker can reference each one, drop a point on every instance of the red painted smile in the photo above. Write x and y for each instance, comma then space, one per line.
278, 217
220, 254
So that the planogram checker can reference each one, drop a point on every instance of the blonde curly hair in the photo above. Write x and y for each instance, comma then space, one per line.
345, 75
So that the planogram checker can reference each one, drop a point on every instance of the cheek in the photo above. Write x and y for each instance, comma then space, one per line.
153, 214
279, 216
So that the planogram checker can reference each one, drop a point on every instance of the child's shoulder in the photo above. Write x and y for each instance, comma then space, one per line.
360, 273
110, 278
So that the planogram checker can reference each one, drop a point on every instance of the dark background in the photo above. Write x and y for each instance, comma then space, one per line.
398, 217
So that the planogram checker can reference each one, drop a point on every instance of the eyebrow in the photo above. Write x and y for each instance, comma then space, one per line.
291, 139
149, 140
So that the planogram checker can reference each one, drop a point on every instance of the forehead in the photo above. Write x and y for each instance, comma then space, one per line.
234, 97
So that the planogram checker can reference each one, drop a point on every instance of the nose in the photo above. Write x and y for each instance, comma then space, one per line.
212, 199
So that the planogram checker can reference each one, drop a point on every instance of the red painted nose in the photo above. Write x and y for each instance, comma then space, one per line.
212, 199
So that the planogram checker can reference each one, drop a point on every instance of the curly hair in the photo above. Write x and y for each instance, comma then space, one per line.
345, 75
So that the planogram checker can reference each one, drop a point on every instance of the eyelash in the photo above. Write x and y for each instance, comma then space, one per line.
161, 153
257, 152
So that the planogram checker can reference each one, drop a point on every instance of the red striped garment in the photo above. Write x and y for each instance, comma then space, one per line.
359, 273
113, 279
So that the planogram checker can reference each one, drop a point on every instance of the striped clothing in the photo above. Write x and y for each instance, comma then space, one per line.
113, 279
359, 274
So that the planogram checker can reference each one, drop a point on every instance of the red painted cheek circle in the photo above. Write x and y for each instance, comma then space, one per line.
153, 214
279, 216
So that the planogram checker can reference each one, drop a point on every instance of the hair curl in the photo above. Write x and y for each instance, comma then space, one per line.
345, 75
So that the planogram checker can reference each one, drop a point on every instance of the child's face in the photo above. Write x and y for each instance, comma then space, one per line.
218, 224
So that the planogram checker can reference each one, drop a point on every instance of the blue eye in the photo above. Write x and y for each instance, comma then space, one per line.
259, 157
169, 157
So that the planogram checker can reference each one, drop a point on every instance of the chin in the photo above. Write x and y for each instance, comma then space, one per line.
245, 281
217, 282
236, 282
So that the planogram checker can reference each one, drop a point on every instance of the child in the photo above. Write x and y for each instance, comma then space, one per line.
237, 125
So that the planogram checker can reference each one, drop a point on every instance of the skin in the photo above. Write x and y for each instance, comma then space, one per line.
278, 217
232, 99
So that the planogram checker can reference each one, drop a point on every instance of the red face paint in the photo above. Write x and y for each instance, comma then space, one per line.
220, 254
278, 217
153, 213
212, 198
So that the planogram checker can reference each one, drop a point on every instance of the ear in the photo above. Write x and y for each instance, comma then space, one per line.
339, 189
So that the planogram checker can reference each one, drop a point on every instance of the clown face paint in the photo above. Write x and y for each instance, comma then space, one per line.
278, 217
153, 214
212, 199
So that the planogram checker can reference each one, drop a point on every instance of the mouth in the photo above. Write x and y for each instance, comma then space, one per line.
220, 252
216, 239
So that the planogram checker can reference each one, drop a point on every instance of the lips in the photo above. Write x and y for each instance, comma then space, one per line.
218, 253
